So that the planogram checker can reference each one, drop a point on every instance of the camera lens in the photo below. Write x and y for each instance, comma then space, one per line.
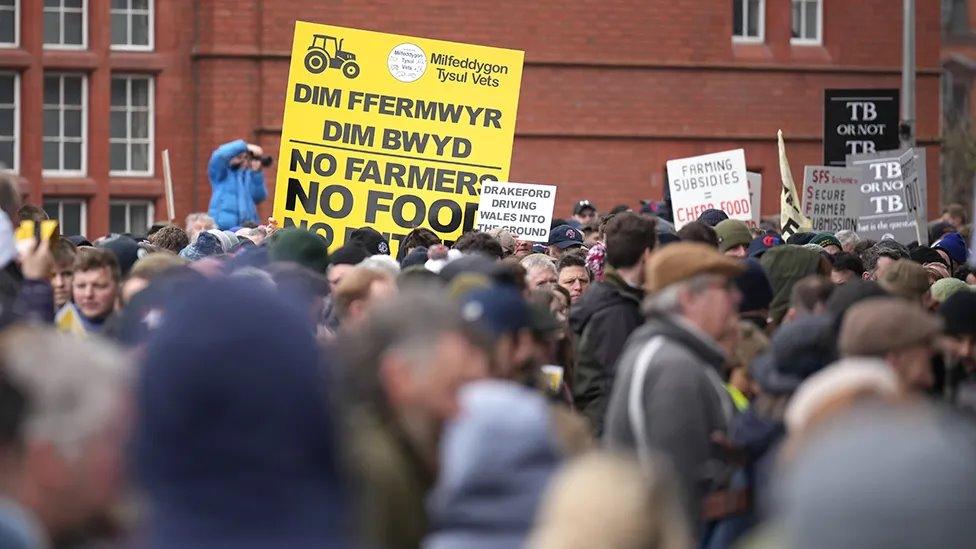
266, 161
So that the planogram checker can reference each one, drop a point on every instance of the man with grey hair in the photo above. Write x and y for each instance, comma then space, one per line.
540, 271
848, 240
668, 397
406, 361
879, 257
197, 223
70, 465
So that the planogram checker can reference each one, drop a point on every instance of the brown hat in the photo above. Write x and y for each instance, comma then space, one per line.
877, 326
905, 278
683, 260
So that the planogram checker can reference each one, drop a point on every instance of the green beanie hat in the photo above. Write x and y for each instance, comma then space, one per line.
732, 233
943, 288
826, 239
300, 246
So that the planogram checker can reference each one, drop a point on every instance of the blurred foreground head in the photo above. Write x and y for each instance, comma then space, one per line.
234, 444
606, 500
882, 477
411, 354
67, 458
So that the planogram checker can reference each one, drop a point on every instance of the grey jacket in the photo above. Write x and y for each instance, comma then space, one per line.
668, 400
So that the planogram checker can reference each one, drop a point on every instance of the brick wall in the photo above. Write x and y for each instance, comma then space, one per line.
611, 89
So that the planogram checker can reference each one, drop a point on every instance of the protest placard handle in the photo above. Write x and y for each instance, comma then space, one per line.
168, 182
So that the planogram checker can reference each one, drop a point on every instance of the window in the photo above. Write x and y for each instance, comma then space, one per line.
130, 216
132, 25
748, 20
955, 99
807, 22
9, 120
955, 17
131, 124
65, 24
9, 24
65, 113
70, 214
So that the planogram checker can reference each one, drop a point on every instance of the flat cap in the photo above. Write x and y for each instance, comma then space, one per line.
880, 325
683, 260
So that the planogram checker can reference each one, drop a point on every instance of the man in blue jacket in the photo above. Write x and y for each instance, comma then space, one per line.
238, 183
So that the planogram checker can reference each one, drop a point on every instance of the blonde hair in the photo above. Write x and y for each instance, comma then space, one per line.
355, 286
607, 500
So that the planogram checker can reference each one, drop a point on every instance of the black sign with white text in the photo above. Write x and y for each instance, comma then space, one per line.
859, 122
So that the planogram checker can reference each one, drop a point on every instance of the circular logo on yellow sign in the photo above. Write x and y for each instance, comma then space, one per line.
407, 62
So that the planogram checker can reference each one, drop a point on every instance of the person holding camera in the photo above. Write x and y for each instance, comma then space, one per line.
237, 182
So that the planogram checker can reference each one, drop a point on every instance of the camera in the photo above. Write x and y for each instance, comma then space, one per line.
265, 160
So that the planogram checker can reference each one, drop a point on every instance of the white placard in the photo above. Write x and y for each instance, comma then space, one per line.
525, 209
832, 197
755, 197
712, 181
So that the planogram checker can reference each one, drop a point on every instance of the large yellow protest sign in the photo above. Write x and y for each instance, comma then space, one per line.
392, 132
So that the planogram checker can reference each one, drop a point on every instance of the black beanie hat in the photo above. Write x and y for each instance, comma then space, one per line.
712, 217
924, 254
352, 253
371, 239
959, 313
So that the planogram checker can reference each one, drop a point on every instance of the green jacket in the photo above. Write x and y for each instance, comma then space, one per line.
391, 482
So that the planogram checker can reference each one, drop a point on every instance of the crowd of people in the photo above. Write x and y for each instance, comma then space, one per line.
623, 385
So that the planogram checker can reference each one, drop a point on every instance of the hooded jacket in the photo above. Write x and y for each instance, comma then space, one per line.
236, 191
785, 265
669, 399
496, 460
602, 320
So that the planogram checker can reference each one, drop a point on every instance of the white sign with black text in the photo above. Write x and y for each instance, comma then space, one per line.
712, 181
524, 209
755, 197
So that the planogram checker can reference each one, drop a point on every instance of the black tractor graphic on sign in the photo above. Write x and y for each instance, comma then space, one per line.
326, 52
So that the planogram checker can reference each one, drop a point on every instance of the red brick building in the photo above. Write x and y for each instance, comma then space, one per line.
91, 91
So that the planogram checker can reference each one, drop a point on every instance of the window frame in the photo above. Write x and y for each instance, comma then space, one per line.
82, 214
16, 43
127, 141
743, 39
818, 41
84, 29
83, 171
151, 46
128, 203
15, 169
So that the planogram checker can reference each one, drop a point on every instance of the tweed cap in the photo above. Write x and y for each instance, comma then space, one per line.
683, 260
877, 326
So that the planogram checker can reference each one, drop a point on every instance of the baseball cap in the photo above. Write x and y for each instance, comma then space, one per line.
763, 242
732, 233
499, 310
565, 236
582, 205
